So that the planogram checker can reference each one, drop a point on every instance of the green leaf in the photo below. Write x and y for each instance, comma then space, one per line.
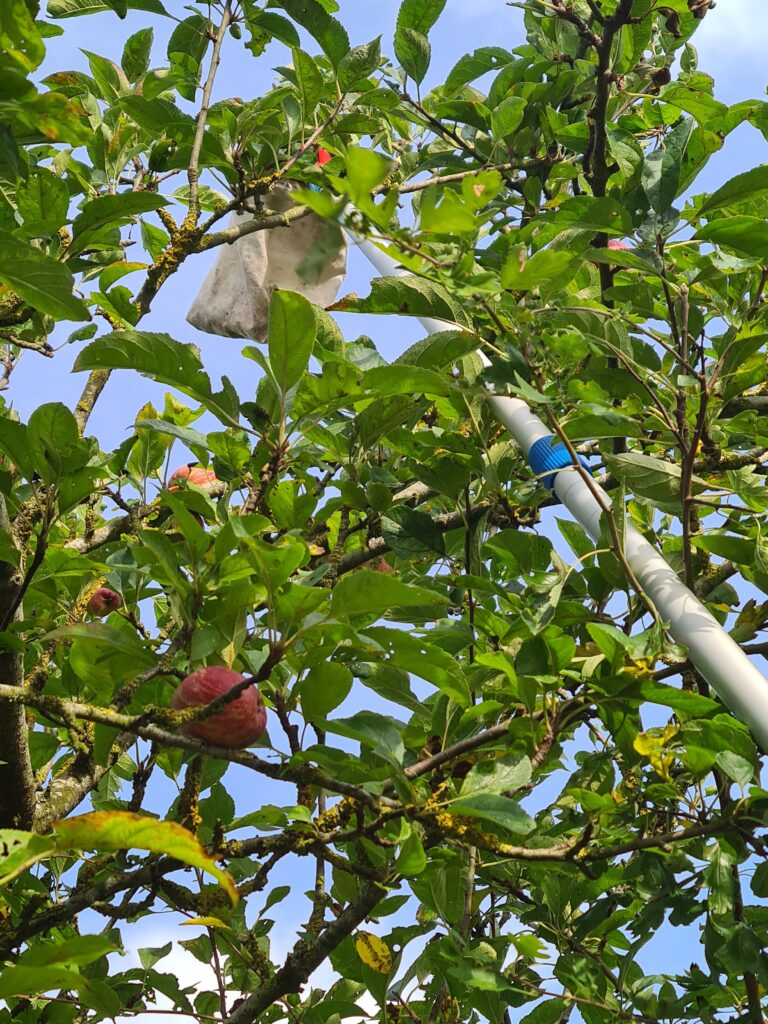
739, 549
43, 203
109, 637
14, 445
451, 216
154, 240
328, 32
497, 777
20, 35
323, 688
39, 280
412, 533
551, 1011
365, 170
747, 236
114, 272
20, 850
735, 767
110, 212
587, 213
423, 659
392, 684
406, 380
759, 883
413, 51
625, 150
526, 551
149, 956
695, 102
365, 592
122, 830
610, 641
161, 119
419, 15
522, 273
73, 8
744, 187
499, 810
662, 168
473, 65
651, 478
684, 702
603, 424
273, 24
380, 733
407, 296
507, 117
31, 981
440, 350
75, 951
136, 54
292, 332
54, 442
186, 49
359, 64
161, 358
309, 79
188, 435
277, 895
412, 859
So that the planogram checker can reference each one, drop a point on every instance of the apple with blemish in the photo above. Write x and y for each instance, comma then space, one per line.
197, 476
103, 601
238, 724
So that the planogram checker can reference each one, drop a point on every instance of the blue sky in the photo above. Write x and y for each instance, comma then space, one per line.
731, 44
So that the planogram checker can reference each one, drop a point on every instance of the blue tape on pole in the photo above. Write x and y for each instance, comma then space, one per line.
545, 457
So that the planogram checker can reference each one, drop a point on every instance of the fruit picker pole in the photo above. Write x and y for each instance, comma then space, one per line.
715, 654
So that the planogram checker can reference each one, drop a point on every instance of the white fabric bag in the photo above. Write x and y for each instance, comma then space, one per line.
234, 298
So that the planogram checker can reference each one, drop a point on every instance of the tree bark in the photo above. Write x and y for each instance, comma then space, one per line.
17, 781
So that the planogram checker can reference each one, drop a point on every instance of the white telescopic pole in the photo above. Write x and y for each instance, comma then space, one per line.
717, 657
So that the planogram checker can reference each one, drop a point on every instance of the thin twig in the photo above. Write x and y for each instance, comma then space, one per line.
193, 168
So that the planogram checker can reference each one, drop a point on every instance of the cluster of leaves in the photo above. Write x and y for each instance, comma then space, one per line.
532, 797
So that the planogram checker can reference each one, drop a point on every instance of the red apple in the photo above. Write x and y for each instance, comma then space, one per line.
239, 723
323, 156
103, 601
616, 243
205, 479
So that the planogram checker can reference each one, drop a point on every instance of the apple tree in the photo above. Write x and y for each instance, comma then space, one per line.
490, 780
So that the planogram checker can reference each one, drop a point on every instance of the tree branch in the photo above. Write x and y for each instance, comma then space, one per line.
273, 220
193, 168
305, 958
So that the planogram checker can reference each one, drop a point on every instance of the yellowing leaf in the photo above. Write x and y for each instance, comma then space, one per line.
652, 745
206, 922
20, 850
122, 830
374, 952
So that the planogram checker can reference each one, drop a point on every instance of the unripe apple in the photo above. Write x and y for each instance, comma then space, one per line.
205, 479
239, 723
323, 156
103, 601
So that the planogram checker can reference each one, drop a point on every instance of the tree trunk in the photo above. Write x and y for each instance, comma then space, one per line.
17, 782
